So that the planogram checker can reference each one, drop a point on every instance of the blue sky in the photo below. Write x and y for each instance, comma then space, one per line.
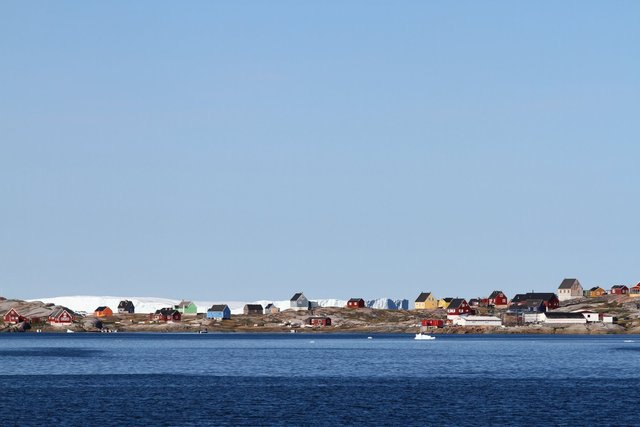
249, 150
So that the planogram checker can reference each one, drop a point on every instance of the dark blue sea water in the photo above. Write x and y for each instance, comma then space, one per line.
304, 379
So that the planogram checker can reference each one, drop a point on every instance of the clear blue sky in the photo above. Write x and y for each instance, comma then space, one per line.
251, 149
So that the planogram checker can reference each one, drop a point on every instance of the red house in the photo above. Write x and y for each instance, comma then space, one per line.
61, 316
355, 303
619, 290
458, 306
498, 298
319, 321
549, 299
433, 323
12, 317
166, 315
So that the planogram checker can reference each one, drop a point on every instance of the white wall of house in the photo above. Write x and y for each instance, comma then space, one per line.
477, 321
564, 321
591, 317
532, 317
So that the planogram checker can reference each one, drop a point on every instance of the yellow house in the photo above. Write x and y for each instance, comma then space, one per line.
426, 301
444, 302
596, 291
635, 291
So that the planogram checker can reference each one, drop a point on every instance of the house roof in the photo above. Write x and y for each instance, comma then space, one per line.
167, 311
495, 294
568, 283
184, 303
101, 308
57, 312
423, 296
595, 288
556, 315
218, 307
544, 296
619, 287
253, 306
125, 303
296, 296
446, 299
356, 300
457, 302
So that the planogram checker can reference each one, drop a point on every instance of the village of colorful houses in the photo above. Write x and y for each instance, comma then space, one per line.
496, 310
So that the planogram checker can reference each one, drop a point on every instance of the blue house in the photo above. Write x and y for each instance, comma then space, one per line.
220, 311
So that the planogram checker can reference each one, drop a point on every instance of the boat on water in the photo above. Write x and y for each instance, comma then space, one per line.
203, 331
423, 336
69, 331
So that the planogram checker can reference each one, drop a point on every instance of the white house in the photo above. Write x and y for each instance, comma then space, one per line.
556, 318
469, 320
570, 289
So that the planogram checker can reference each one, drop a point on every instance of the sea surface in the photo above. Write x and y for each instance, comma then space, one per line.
310, 379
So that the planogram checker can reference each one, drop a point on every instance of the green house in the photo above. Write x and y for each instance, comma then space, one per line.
186, 307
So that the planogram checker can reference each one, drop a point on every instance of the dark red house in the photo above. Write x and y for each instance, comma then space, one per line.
61, 316
166, 315
458, 306
498, 298
12, 317
433, 323
619, 290
319, 321
549, 299
355, 303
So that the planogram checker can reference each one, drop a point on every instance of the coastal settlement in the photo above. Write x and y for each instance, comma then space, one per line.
569, 309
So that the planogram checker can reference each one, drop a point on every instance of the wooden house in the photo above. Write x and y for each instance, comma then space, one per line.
271, 309
549, 299
635, 291
595, 292
355, 303
61, 316
433, 323
219, 312
471, 320
319, 321
299, 302
167, 314
619, 290
103, 311
570, 289
475, 302
426, 301
186, 307
126, 307
457, 307
253, 309
497, 299
444, 302
12, 317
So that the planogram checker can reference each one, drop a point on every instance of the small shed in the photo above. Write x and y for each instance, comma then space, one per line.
355, 303
596, 291
103, 311
433, 323
319, 321
253, 309
219, 312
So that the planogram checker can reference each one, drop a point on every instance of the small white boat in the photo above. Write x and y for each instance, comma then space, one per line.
203, 331
69, 331
422, 336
